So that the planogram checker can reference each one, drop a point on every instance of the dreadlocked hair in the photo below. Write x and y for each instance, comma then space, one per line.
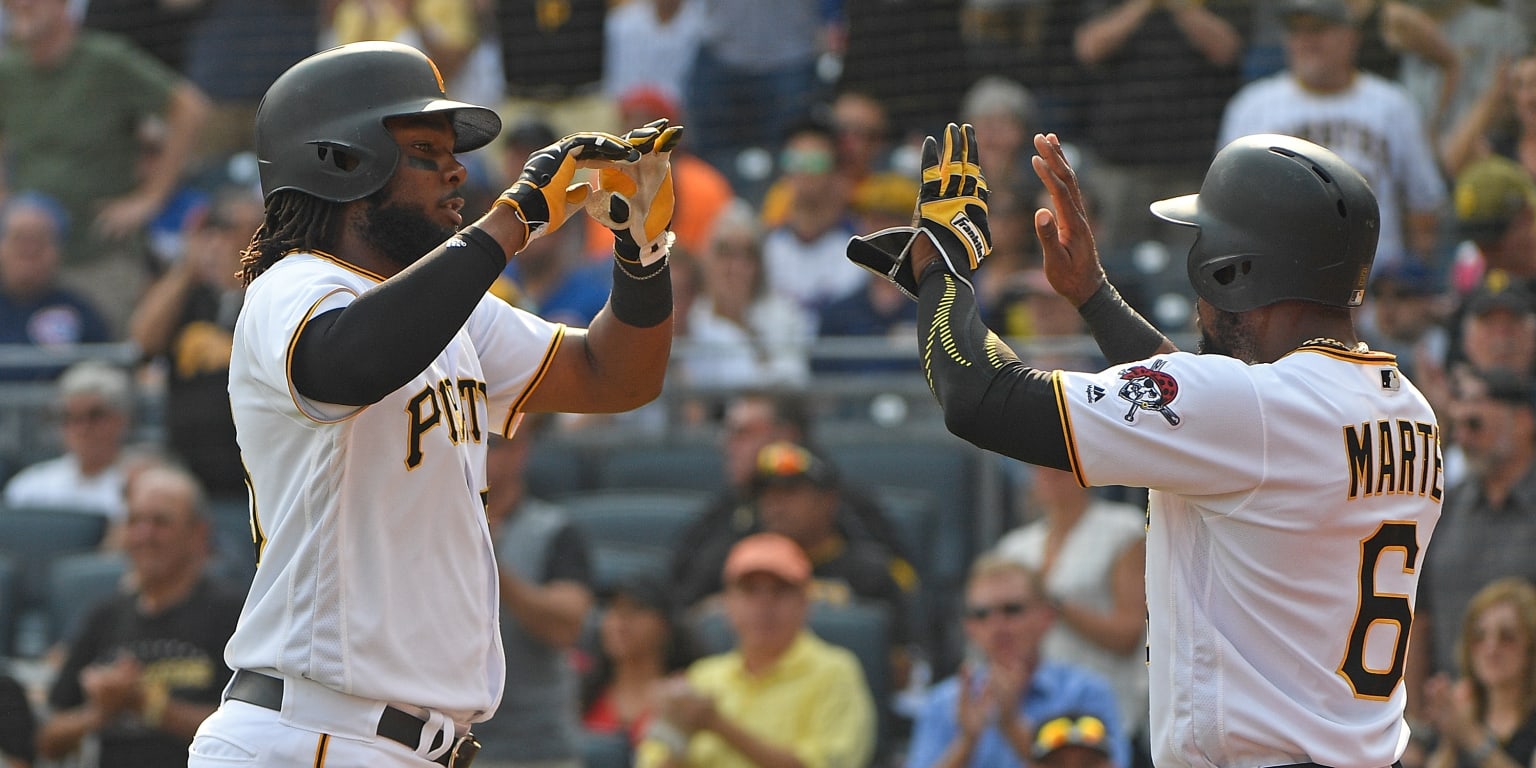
295, 221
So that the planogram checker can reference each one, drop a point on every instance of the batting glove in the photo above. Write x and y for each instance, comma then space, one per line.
636, 200
544, 196
951, 212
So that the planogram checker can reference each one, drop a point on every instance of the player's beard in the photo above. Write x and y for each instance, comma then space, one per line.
402, 234
1226, 333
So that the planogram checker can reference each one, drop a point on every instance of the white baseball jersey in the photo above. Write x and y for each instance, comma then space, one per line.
1374, 126
1291, 504
376, 576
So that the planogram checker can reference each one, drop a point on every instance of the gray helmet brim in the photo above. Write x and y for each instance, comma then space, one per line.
1184, 209
474, 126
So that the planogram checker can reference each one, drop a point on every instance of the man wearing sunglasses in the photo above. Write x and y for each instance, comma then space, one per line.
988, 713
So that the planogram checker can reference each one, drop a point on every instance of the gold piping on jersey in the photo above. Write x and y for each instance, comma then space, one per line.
293, 344
320, 748
533, 383
348, 266
1369, 356
1075, 465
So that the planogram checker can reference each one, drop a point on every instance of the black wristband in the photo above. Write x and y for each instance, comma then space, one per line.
642, 296
479, 240
1121, 333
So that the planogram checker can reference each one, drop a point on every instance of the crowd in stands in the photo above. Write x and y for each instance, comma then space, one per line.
128, 188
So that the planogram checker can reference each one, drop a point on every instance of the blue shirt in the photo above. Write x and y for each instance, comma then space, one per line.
58, 318
1055, 690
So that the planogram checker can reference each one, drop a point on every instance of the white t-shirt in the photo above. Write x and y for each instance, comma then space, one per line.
57, 482
1374, 126
376, 575
814, 273
1290, 507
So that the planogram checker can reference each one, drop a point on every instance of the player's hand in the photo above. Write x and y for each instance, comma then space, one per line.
951, 214
636, 200
544, 196
1071, 257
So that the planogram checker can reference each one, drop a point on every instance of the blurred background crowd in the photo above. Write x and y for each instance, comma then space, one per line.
792, 503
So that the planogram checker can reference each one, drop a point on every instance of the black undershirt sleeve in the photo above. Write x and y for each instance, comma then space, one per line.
1121, 333
990, 398
390, 333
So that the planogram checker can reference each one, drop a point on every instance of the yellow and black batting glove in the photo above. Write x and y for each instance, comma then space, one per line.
544, 196
636, 200
951, 212
952, 201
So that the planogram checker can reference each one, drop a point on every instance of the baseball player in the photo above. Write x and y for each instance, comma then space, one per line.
1295, 474
369, 367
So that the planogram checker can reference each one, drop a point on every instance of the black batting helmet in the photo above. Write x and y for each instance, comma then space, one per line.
320, 127
1279, 218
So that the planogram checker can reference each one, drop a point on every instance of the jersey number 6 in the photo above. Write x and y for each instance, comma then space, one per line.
1380, 607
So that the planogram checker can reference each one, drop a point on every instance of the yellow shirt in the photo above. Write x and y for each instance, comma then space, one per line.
814, 701
449, 22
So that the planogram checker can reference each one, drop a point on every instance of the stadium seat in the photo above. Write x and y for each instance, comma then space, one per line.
605, 750
76, 584
8, 603
613, 562
33, 538
695, 466
652, 517
555, 469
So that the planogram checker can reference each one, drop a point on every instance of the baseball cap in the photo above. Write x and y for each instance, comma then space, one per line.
1406, 277
1500, 291
783, 463
1334, 11
891, 194
1489, 194
649, 101
1070, 731
770, 553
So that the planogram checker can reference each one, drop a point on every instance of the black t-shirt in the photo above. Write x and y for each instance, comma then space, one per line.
182, 646
552, 47
199, 425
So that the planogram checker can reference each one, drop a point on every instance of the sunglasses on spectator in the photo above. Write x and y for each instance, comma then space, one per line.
805, 161
1008, 609
86, 416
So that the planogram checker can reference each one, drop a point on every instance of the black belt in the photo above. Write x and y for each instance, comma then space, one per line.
1398, 764
266, 691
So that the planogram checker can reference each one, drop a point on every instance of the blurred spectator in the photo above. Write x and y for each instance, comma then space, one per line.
741, 332
551, 275
861, 128
57, 74
891, 54
650, 44
797, 495
95, 411
147, 665
752, 419
641, 643
1482, 37
1488, 716
1486, 528
1502, 121
1496, 212
1370, 122
238, 48
1389, 29
187, 317
1003, 112
33, 308
754, 77
702, 192
1158, 75
987, 714
1408, 307
18, 742
552, 57
1497, 327
782, 695
1027, 307
160, 27
880, 311
448, 31
804, 255
1031, 42
1072, 741
1091, 555
546, 593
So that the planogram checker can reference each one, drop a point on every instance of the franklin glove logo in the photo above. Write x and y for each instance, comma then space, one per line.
978, 244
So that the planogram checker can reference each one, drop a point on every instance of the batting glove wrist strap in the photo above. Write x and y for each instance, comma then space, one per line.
544, 195
885, 253
636, 200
